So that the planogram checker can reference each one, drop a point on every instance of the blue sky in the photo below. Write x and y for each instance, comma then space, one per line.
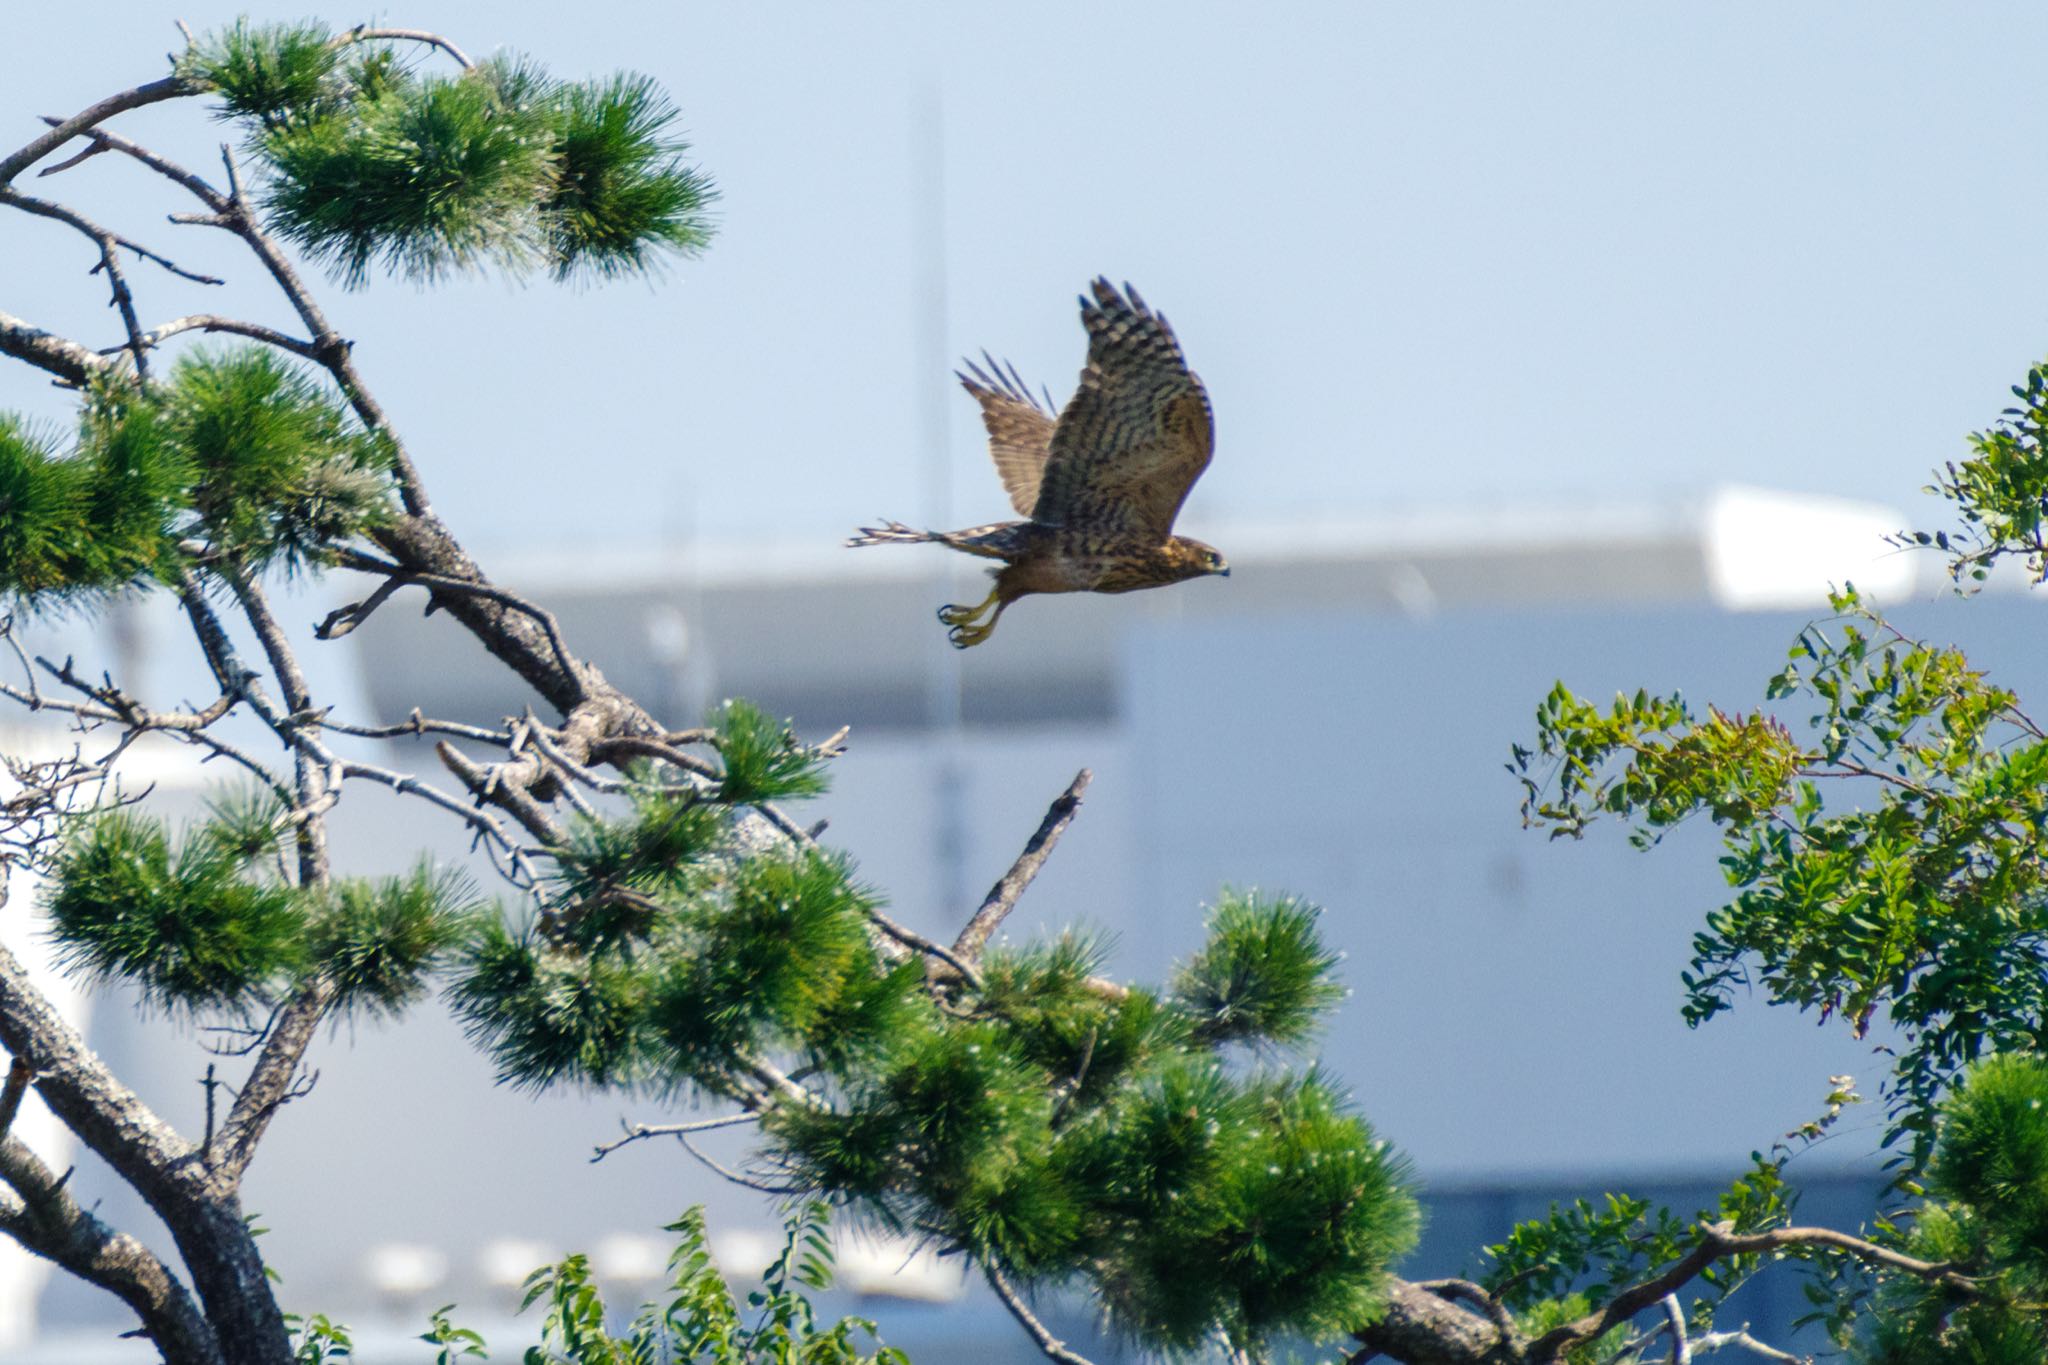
1422, 254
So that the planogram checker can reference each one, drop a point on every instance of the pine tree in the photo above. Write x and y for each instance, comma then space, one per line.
657, 923
661, 925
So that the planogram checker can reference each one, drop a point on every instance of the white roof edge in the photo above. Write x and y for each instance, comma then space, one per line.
1741, 529
1768, 550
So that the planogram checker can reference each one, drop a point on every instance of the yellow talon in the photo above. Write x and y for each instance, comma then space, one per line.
966, 637
958, 617
968, 627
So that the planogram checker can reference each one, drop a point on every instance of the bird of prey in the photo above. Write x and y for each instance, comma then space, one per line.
1100, 483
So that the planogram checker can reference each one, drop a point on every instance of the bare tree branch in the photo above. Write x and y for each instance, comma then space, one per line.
49, 1222
76, 159
917, 942
105, 1114
109, 705
114, 704
18, 1075
1002, 897
418, 725
1714, 1341
271, 1080
70, 362
212, 322
169, 88
616, 747
363, 33
1494, 1309
1717, 1241
355, 559
501, 787
1054, 1348
1674, 1318
311, 775
233, 213
344, 619
109, 245
197, 185
636, 1132
736, 1177
1422, 1328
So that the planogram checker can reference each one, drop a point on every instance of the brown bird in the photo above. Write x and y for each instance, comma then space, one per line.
1100, 483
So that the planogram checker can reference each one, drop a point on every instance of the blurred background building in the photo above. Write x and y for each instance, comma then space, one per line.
1330, 721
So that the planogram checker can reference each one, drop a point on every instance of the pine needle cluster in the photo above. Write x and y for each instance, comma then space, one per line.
237, 456
371, 162
210, 923
75, 528
677, 949
281, 470
1047, 1122
1986, 1215
1061, 1130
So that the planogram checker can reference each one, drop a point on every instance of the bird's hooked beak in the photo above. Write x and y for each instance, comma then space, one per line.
1225, 571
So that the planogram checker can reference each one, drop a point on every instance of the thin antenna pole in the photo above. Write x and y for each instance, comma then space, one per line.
944, 678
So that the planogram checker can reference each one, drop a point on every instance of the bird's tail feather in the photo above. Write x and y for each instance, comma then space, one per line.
893, 533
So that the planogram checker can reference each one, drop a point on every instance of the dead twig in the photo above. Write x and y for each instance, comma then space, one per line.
1714, 1341
1054, 1348
545, 619
636, 1132
1002, 897
1674, 1318
153, 92
611, 749
416, 724
213, 322
110, 262
917, 942
342, 620
364, 33
736, 1177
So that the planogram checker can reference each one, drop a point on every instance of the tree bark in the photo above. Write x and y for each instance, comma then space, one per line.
1420, 1328
200, 1207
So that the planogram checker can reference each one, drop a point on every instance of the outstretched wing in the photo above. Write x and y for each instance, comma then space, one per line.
1019, 430
1137, 433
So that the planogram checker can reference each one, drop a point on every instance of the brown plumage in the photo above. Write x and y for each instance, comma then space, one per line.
1100, 483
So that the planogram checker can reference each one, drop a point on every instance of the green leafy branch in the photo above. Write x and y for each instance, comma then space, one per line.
1930, 903
2000, 492
699, 1320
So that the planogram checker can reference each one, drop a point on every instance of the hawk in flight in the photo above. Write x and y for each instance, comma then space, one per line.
1101, 482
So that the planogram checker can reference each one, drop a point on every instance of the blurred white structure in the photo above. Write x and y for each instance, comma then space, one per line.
897, 1268
401, 1272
